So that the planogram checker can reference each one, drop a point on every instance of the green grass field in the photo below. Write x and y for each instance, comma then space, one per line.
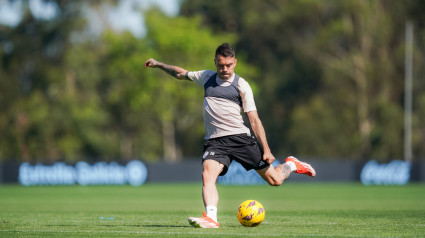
158, 210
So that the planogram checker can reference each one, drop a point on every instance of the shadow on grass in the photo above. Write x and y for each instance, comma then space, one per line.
158, 226
165, 226
62, 225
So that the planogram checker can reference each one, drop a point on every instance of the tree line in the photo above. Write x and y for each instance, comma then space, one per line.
328, 79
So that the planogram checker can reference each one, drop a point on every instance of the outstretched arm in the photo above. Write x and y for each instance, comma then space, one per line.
260, 133
175, 71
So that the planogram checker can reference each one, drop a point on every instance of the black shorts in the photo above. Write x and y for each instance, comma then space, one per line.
242, 148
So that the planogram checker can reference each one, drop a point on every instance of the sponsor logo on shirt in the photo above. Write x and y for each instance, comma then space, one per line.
208, 153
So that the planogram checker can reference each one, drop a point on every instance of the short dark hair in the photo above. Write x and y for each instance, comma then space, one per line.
225, 50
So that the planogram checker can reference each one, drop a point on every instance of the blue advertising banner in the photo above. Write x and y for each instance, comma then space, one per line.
134, 173
396, 172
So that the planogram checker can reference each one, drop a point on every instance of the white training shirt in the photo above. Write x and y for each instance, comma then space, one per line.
223, 117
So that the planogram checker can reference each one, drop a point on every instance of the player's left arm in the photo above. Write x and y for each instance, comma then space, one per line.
260, 133
256, 125
175, 71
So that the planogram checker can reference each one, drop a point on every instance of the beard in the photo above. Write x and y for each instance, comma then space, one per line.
225, 76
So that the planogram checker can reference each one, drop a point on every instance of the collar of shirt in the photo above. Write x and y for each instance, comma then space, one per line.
225, 83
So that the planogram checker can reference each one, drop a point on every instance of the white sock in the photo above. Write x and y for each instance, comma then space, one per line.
211, 212
292, 165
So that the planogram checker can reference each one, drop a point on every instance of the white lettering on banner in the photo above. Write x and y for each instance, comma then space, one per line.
396, 172
135, 173
59, 173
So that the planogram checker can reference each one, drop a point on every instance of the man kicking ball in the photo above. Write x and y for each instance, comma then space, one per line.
227, 138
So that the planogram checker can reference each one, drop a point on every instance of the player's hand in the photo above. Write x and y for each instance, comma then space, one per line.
268, 157
151, 63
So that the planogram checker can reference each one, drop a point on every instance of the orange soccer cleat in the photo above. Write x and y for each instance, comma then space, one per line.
302, 167
203, 222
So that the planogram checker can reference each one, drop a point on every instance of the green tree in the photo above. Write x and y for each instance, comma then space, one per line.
31, 62
331, 81
361, 53
175, 107
67, 97
142, 113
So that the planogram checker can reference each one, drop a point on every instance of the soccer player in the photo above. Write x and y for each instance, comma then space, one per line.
227, 138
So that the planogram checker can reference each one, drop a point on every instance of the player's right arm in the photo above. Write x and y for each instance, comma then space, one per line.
175, 71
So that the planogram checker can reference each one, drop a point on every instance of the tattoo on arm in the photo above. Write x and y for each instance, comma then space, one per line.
174, 71
284, 169
169, 70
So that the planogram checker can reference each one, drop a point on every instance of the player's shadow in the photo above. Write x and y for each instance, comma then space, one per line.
158, 226
164, 226
59, 225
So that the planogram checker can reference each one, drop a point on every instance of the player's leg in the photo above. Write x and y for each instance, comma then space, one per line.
300, 167
249, 154
276, 176
211, 171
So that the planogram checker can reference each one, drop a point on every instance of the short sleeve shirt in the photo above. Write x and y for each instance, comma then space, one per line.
223, 117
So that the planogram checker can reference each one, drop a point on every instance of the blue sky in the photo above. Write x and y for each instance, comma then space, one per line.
127, 15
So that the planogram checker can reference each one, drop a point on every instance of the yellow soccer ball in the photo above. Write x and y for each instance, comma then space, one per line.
251, 213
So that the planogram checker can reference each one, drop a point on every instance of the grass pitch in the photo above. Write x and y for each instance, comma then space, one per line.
159, 210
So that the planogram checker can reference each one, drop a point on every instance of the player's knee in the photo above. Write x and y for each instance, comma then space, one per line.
208, 177
275, 182
205, 176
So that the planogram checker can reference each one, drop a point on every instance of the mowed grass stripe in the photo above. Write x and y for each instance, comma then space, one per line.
203, 233
156, 210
